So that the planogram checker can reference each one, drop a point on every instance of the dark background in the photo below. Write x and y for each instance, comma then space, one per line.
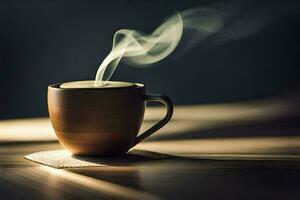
44, 42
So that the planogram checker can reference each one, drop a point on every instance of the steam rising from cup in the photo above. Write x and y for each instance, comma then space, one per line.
188, 27
138, 49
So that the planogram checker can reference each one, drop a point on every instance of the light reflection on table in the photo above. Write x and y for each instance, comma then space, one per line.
242, 150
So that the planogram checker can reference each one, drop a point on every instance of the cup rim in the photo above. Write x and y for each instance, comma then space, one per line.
56, 86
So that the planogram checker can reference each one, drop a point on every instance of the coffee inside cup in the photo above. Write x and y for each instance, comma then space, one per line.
90, 84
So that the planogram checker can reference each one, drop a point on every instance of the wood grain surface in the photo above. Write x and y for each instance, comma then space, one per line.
231, 151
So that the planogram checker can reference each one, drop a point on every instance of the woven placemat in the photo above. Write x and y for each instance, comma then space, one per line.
64, 159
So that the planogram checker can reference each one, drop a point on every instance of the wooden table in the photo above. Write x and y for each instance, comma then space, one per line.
247, 150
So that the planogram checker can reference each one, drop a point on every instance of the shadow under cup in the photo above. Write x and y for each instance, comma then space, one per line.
101, 121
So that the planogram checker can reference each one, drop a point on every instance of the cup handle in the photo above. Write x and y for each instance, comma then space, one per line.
169, 106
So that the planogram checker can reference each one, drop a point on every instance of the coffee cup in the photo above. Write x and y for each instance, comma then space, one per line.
102, 121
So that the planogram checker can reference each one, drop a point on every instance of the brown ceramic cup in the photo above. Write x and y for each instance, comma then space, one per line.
102, 121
